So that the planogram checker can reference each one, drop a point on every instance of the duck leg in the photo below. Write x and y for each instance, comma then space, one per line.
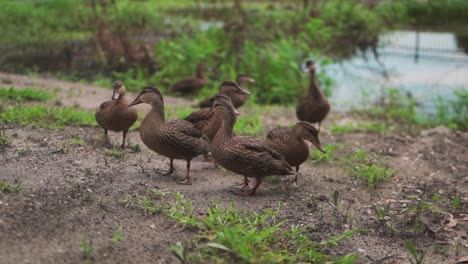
244, 184
318, 129
106, 137
297, 168
171, 169
124, 138
251, 191
186, 180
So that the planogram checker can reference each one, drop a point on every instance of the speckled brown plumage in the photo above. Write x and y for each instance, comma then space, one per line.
205, 119
175, 139
314, 107
190, 85
237, 98
247, 156
290, 142
115, 115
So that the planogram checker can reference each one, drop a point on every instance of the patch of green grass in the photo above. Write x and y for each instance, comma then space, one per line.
27, 94
318, 156
117, 235
248, 125
116, 152
230, 235
86, 248
358, 127
367, 168
42, 116
24, 150
152, 202
7, 188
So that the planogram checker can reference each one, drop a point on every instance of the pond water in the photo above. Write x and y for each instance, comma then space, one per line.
422, 64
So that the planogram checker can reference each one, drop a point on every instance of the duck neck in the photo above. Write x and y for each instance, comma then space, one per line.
122, 99
294, 137
201, 74
157, 113
314, 89
225, 131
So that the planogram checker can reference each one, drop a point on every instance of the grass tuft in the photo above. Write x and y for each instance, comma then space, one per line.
27, 94
7, 188
116, 152
358, 127
41, 116
330, 149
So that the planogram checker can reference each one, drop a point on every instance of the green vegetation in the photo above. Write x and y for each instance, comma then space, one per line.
86, 248
116, 152
367, 168
26, 94
24, 150
7, 188
249, 125
5, 140
117, 235
437, 12
418, 255
357, 127
42, 116
318, 156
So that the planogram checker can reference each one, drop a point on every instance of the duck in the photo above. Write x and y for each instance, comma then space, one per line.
115, 115
205, 120
238, 98
175, 139
191, 85
314, 107
290, 142
244, 155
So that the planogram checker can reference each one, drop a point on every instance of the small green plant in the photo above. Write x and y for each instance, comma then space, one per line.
318, 156
5, 140
456, 202
42, 116
117, 235
116, 152
75, 139
6, 188
418, 255
366, 168
86, 248
24, 150
27, 94
248, 125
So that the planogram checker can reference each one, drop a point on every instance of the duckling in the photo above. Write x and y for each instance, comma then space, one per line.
190, 85
314, 107
238, 95
289, 142
244, 155
116, 115
205, 120
175, 139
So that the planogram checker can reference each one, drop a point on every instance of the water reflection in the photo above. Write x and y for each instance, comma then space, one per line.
424, 64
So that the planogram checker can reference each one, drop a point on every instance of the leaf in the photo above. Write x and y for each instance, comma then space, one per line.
179, 251
218, 246
410, 246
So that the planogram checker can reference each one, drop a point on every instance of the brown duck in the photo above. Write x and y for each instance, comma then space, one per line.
238, 98
175, 139
116, 115
244, 155
314, 107
290, 142
205, 120
190, 85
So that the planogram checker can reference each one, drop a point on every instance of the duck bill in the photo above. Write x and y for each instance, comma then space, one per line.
250, 80
115, 95
135, 102
236, 112
317, 144
243, 91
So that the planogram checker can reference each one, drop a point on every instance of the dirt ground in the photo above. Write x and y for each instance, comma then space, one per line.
74, 192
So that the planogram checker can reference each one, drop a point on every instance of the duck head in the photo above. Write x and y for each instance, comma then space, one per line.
119, 89
223, 107
310, 66
149, 95
231, 87
201, 69
308, 132
242, 78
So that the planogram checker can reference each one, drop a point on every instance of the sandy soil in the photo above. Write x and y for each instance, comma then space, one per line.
73, 192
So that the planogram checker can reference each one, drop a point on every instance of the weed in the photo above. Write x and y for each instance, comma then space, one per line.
134, 147
86, 248
366, 168
116, 152
318, 156
249, 125
23, 151
41, 116
6, 188
417, 254
341, 216
75, 139
27, 94
5, 140
382, 215
456, 202
88, 196
357, 127
153, 202
117, 235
